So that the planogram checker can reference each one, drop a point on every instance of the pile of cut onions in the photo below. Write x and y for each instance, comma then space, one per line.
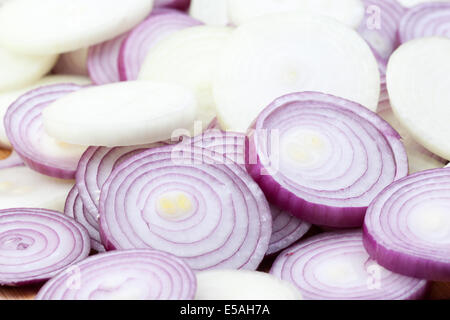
176, 149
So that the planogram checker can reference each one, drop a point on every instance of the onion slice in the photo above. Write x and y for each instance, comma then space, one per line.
191, 204
379, 28
291, 53
412, 3
323, 158
13, 160
243, 285
23, 187
425, 20
36, 244
58, 26
335, 266
286, 229
75, 209
159, 25
214, 13
122, 275
95, 167
102, 61
349, 12
176, 4
24, 128
96, 116
407, 227
418, 81
189, 58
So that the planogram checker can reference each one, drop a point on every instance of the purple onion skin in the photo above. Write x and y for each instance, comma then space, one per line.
175, 4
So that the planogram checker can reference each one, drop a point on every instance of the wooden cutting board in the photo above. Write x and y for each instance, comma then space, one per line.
439, 291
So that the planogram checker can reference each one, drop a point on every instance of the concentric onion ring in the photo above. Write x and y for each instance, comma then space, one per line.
335, 266
159, 25
25, 131
129, 274
407, 227
36, 244
323, 158
75, 209
191, 204
102, 60
95, 167
425, 20
286, 229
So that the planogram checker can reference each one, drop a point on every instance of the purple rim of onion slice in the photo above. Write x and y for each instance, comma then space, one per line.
75, 209
335, 266
36, 244
13, 160
380, 25
407, 227
159, 25
24, 128
176, 4
351, 155
130, 274
94, 168
102, 61
425, 20
191, 204
286, 229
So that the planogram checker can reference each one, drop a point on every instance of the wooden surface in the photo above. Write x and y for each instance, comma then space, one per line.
438, 291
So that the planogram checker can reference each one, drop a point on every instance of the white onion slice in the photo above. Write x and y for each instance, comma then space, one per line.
23, 187
276, 55
243, 285
349, 12
124, 113
57, 26
214, 13
18, 70
418, 82
419, 158
189, 57
7, 98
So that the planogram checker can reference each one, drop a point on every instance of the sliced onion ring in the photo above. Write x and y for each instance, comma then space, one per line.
190, 204
75, 209
24, 128
129, 274
13, 160
36, 244
272, 56
159, 25
335, 266
102, 61
95, 167
425, 20
407, 227
323, 158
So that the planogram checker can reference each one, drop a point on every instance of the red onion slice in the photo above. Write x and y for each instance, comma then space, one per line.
190, 204
323, 158
95, 167
130, 274
407, 227
75, 209
159, 25
36, 244
425, 20
286, 229
176, 4
13, 160
335, 266
102, 61
380, 25
25, 131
